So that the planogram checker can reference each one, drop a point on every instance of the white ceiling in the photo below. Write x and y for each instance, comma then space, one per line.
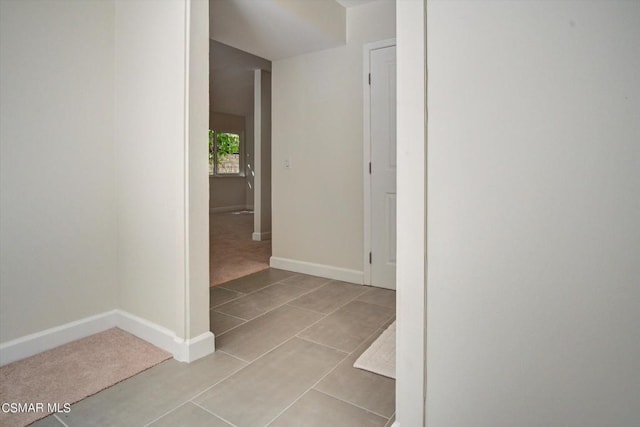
277, 29
351, 3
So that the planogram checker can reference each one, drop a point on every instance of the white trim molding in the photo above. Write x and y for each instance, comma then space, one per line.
265, 235
411, 292
152, 333
182, 350
47, 339
321, 270
233, 208
196, 348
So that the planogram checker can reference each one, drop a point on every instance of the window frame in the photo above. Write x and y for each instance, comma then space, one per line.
241, 152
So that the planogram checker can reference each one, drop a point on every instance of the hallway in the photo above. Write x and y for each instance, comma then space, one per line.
232, 252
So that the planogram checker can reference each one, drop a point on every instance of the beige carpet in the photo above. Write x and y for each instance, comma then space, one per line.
380, 357
233, 253
69, 373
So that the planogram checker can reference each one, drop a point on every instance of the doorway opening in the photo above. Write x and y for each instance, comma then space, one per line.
239, 235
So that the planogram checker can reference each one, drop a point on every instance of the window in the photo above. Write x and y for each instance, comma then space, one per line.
224, 153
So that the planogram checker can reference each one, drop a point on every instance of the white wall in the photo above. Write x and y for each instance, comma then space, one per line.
231, 79
150, 144
533, 210
194, 295
228, 192
262, 155
104, 197
250, 141
57, 199
317, 124
411, 210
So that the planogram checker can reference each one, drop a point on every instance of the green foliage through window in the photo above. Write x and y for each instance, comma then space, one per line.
224, 153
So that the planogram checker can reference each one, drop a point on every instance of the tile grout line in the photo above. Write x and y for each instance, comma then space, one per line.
230, 315
377, 331
231, 300
279, 282
351, 403
257, 290
289, 301
304, 308
214, 414
60, 420
316, 383
190, 399
243, 294
269, 351
284, 342
354, 298
326, 345
394, 414
303, 338
330, 313
306, 391
289, 304
254, 292
278, 306
379, 305
230, 329
195, 396
242, 368
384, 417
165, 414
233, 373
297, 335
235, 357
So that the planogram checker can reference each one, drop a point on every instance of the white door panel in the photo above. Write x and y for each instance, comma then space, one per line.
383, 166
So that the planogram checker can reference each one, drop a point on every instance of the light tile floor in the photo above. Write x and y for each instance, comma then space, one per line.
286, 344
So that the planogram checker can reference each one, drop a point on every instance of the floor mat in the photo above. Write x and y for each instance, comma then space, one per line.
51, 381
380, 357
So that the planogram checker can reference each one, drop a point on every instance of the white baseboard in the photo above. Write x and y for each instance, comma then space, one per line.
194, 349
221, 209
182, 350
161, 337
321, 270
38, 342
152, 333
265, 235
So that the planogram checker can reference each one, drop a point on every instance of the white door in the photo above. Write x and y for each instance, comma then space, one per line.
383, 166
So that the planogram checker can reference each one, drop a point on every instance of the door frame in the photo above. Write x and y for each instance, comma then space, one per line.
366, 150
